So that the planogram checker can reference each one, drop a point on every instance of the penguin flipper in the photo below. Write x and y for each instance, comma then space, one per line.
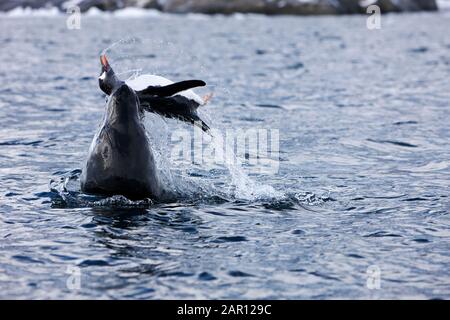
171, 89
175, 107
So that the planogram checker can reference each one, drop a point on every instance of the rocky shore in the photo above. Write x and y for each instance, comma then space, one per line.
270, 7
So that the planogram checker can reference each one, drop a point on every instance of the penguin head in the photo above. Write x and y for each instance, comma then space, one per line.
107, 79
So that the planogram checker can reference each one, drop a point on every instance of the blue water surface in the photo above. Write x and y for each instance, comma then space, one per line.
363, 179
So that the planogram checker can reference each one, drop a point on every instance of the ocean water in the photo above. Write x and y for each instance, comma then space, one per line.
357, 207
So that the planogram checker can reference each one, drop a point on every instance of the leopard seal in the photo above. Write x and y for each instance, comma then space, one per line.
120, 159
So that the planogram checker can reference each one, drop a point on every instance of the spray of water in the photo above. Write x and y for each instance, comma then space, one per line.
187, 181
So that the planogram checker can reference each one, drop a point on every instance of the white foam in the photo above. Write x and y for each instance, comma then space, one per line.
29, 12
366, 3
177, 176
197, 16
129, 12
95, 12
133, 12
70, 4
243, 186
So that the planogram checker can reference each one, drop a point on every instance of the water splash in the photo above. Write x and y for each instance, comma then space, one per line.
191, 181
66, 188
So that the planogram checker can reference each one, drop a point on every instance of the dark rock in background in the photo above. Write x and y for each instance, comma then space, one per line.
6, 5
111, 5
105, 5
406, 5
250, 6
293, 7
350, 6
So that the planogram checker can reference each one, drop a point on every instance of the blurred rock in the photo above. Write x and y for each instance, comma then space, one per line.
350, 6
406, 5
250, 6
105, 5
293, 7
111, 5
6, 5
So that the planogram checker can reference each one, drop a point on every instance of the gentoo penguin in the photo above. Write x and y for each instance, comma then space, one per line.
172, 100
120, 160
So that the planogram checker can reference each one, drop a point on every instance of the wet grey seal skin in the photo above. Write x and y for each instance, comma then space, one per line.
120, 160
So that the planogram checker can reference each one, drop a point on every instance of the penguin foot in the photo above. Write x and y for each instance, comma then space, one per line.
207, 97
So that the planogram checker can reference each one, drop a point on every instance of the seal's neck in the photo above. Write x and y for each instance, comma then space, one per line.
122, 107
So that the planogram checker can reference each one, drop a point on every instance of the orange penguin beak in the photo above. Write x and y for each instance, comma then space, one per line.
104, 62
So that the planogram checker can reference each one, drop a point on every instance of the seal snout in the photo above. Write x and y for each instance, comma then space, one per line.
124, 89
124, 93
123, 103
